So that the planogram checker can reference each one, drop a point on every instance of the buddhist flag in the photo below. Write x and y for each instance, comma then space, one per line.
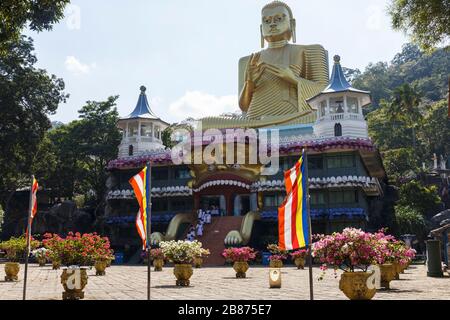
141, 187
293, 217
290, 176
33, 202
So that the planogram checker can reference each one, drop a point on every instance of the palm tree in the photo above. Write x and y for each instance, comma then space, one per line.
404, 106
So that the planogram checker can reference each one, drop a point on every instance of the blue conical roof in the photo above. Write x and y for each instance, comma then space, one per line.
338, 82
142, 109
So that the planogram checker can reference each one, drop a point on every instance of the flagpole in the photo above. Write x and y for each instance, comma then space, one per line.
310, 260
28, 234
149, 227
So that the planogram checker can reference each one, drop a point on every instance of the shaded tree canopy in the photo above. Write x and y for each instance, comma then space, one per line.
426, 21
78, 153
427, 73
38, 15
27, 96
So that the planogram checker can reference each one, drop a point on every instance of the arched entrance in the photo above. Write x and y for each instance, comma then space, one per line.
232, 197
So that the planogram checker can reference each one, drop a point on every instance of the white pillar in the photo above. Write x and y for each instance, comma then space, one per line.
345, 105
153, 132
327, 109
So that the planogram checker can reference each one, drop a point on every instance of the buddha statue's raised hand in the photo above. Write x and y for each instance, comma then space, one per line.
254, 69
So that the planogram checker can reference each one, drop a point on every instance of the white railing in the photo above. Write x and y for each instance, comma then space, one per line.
342, 116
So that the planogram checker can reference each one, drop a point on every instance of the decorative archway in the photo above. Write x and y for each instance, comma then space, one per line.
223, 185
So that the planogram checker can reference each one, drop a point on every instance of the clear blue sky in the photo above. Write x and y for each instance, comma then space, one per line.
186, 52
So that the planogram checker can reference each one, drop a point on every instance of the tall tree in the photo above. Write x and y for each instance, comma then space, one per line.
98, 138
427, 21
404, 105
435, 130
27, 96
38, 15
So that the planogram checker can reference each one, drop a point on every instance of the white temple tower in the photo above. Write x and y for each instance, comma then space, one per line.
340, 108
142, 130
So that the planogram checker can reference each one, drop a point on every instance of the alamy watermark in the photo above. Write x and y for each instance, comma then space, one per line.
232, 147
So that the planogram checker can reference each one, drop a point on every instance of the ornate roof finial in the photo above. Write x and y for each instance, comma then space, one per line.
143, 88
337, 59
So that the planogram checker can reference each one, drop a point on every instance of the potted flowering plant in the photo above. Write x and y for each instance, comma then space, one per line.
15, 249
402, 257
277, 256
157, 257
77, 252
299, 258
182, 254
240, 258
353, 251
102, 253
51, 242
198, 259
388, 250
40, 255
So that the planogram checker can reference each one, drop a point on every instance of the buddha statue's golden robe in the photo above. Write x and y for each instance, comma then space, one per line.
276, 101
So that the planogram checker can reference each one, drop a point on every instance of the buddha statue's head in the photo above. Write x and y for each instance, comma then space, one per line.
277, 23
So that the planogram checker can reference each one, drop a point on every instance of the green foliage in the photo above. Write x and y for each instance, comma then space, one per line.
167, 133
98, 140
424, 200
427, 21
410, 221
16, 248
400, 163
435, 130
38, 15
27, 96
388, 133
377, 79
80, 151
80, 200
427, 73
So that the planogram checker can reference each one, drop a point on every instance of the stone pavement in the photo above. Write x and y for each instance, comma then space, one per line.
129, 282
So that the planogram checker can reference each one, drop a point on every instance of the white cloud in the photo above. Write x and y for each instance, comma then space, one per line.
199, 104
74, 66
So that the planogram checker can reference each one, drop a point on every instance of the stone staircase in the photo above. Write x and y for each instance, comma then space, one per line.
214, 235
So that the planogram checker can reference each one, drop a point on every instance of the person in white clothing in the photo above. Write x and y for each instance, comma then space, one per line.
199, 229
208, 217
200, 214
191, 234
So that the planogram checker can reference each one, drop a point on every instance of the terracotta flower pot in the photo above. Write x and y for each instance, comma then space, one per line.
276, 264
100, 267
354, 285
73, 282
183, 273
240, 268
158, 264
12, 270
404, 267
398, 269
300, 263
56, 264
198, 262
387, 274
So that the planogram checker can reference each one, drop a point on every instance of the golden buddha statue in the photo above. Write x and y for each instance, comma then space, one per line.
275, 83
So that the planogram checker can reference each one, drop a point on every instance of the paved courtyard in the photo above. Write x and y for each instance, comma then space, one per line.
129, 282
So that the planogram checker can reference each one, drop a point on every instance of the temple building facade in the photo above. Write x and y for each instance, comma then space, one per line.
345, 175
